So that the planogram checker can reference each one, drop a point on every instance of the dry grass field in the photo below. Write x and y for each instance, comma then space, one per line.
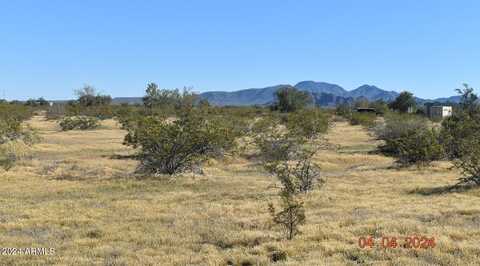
76, 193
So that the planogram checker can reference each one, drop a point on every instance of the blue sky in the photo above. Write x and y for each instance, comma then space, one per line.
51, 47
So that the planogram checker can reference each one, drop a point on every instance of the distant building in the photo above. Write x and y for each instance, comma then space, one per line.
440, 112
366, 110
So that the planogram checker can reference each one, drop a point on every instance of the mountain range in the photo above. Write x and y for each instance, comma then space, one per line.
324, 94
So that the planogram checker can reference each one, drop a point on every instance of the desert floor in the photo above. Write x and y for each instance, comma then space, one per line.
76, 193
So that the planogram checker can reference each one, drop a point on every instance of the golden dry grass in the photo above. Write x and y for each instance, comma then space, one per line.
75, 193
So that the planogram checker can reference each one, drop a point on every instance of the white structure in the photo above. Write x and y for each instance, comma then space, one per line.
440, 112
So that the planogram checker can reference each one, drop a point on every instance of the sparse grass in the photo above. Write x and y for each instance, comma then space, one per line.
77, 194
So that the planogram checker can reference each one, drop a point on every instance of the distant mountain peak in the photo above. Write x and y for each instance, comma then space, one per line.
325, 94
320, 87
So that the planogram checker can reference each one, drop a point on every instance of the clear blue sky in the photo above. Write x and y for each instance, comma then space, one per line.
51, 47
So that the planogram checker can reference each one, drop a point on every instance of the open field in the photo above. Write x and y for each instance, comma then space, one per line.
76, 194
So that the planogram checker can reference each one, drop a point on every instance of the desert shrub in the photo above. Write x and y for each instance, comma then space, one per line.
40, 102
16, 112
364, 119
14, 136
273, 140
157, 101
344, 110
418, 147
455, 130
13, 151
101, 112
296, 176
468, 160
290, 99
460, 136
170, 147
410, 139
277, 255
292, 165
90, 103
462, 125
396, 126
11, 127
307, 123
78, 122
290, 217
276, 146
381, 107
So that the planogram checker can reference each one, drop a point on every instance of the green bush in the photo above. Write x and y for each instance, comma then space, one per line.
404, 102
419, 147
456, 129
78, 122
16, 112
297, 176
307, 123
273, 140
287, 153
170, 147
290, 217
11, 128
363, 119
157, 101
290, 99
14, 137
460, 136
90, 103
468, 160
410, 139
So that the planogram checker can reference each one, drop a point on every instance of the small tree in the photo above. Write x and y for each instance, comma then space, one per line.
90, 103
290, 99
403, 102
88, 96
460, 136
468, 160
296, 172
468, 100
462, 125
290, 217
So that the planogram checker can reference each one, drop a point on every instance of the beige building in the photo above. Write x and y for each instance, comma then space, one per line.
440, 112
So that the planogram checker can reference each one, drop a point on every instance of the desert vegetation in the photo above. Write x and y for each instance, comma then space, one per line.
15, 137
177, 181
